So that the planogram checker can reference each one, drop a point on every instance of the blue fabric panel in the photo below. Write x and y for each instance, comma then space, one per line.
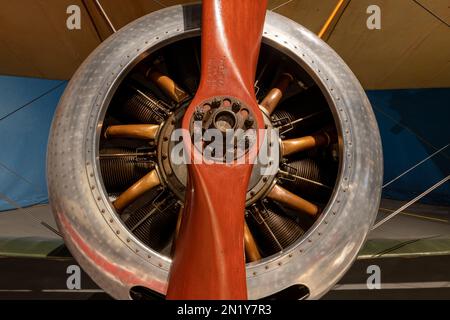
18, 91
23, 137
413, 125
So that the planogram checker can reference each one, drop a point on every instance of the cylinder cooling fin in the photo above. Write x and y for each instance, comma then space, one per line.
139, 105
121, 168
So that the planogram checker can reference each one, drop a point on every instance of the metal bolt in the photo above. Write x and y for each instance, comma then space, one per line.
236, 107
249, 122
215, 103
198, 115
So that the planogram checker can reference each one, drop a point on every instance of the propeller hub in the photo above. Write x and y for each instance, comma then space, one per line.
175, 175
225, 120
223, 129
223, 113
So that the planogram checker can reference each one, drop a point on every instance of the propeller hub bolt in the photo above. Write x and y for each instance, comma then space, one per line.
215, 104
249, 122
199, 114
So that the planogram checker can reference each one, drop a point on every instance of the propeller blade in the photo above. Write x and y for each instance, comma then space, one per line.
293, 201
292, 146
148, 182
273, 98
137, 131
209, 260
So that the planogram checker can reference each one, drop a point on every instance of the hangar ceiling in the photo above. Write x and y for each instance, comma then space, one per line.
412, 49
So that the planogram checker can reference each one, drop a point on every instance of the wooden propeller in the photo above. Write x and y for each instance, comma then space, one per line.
209, 261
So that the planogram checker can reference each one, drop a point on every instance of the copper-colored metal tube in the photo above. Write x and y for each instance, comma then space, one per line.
291, 146
167, 85
273, 98
145, 184
251, 248
331, 18
293, 201
138, 131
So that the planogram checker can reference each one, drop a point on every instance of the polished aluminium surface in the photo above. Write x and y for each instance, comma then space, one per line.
115, 259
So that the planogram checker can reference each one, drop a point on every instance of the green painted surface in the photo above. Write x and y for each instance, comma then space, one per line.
29, 247
407, 248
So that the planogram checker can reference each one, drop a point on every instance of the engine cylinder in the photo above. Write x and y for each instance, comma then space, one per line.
120, 168
273, 231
